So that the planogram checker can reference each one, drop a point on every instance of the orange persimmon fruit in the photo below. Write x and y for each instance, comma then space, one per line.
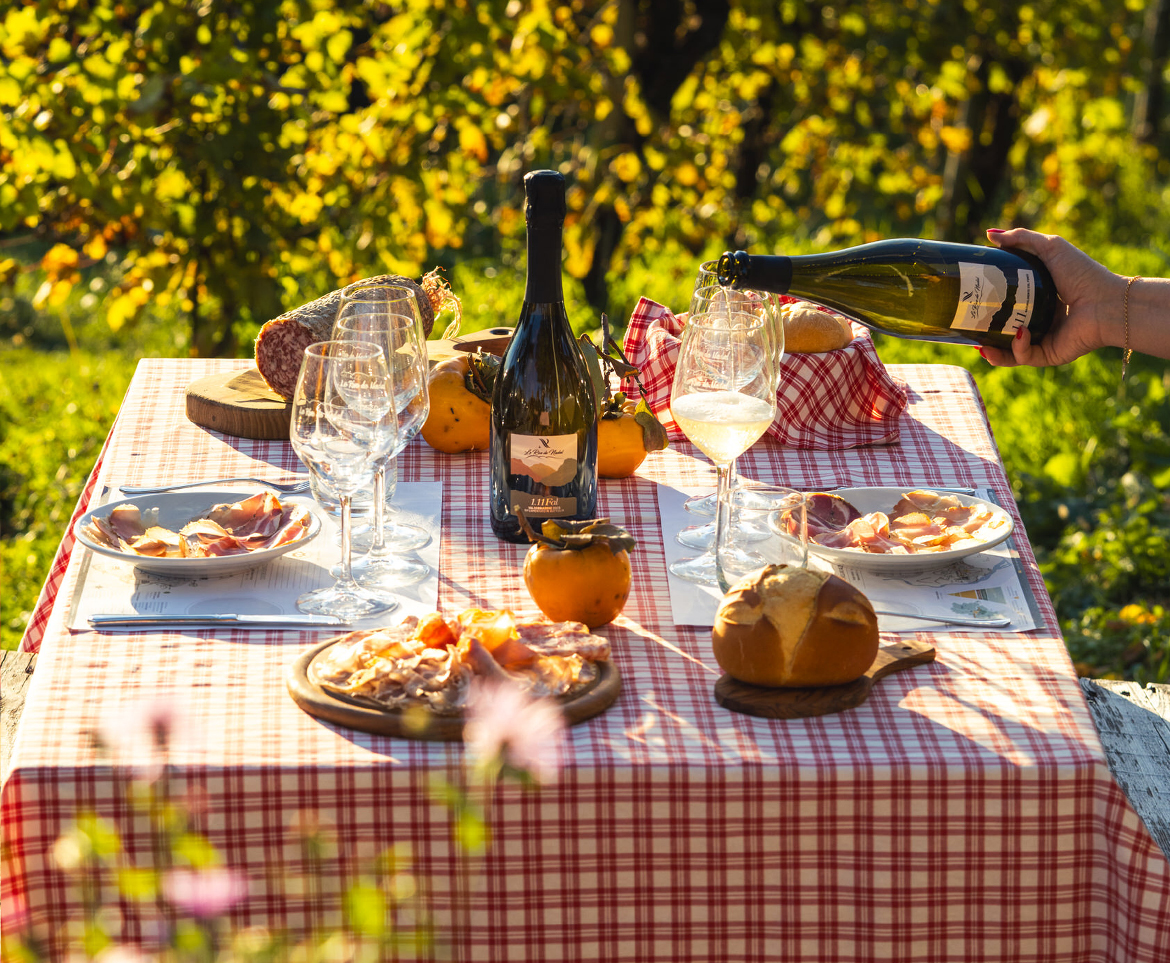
460, 390
579, 571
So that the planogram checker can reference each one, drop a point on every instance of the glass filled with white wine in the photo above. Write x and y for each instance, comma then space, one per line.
723, 398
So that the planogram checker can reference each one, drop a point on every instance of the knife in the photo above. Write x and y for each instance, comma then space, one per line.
984, 623
228, 621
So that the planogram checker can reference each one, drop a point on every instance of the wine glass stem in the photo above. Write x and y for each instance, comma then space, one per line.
722, 518
380, 509
346, 578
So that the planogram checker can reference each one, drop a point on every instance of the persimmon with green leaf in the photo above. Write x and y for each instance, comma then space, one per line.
578, 571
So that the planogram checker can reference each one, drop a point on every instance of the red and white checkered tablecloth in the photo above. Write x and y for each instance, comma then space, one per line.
964, 813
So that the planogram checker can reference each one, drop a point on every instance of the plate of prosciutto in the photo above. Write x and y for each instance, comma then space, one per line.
895, 529
198, 534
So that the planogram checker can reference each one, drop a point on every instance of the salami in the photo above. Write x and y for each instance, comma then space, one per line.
281, 343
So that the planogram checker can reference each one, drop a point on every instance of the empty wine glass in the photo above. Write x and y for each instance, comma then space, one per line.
371, 298
341, 427
723, 398
776, 510
386, 566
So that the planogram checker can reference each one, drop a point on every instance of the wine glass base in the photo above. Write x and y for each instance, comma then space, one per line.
343, 603
385, 573
702, 537
701, 504
700, 569
399, 538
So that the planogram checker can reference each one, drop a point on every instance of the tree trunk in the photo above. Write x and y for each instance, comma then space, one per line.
972, 178
1150, 105
665, 38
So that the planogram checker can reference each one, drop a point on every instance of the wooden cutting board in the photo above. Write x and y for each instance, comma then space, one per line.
241, 404
796, 703
352, 714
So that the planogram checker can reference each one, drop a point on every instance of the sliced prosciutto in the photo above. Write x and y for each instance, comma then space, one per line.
430, 663
257, 522
922, 521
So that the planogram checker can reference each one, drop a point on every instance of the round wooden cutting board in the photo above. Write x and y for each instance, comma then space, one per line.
241, 404
420, 724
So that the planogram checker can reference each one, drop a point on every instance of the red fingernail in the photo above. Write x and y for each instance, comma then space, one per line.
995, 230
1019, 333
983, 353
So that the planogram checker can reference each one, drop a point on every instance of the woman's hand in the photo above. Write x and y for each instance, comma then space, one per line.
1089, 308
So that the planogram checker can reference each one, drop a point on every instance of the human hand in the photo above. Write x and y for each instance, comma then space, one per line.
1089, 295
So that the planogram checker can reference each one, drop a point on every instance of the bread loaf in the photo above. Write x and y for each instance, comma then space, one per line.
809, 329
784, 626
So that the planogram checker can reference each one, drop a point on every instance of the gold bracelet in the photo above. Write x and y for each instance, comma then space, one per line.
1127, 349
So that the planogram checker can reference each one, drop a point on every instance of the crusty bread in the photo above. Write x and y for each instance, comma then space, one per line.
784, 626
809, 329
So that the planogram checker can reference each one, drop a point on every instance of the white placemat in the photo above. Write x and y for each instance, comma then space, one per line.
987, 585
110, 586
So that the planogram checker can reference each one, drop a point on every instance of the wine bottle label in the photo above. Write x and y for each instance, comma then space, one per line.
551, 462
987, 303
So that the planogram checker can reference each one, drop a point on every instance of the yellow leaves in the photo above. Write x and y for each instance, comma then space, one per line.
305, 207
687, 174
96, 248
601, 35
124, 307
60, 50
10, 92
22, 31
956, 139
472, 141
579, 245
626, 166
58, 260
171, 185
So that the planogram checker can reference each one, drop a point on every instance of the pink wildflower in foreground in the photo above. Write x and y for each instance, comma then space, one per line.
505, 724
204, 893
138, 735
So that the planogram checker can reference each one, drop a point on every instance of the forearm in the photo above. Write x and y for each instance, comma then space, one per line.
1149, 318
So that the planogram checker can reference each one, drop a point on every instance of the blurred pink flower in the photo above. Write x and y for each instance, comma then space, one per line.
504, 724
139, 735
204, 893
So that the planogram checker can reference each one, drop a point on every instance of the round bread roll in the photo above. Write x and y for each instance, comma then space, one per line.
784, 626
808, 329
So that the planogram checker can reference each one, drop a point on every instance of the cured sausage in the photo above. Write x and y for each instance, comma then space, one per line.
281, 343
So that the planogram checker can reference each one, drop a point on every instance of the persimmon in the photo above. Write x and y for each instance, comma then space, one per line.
626, 434
579, 571
460, 390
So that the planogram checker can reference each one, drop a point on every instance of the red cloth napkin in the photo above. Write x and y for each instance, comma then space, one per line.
838, 399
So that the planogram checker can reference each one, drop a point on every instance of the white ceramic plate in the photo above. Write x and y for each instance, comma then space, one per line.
867, 500
175, 509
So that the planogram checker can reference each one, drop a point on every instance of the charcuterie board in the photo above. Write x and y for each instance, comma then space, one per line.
797, 703
239, 403
341, 710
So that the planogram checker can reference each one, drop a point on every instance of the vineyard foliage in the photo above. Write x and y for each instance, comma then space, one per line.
173, 174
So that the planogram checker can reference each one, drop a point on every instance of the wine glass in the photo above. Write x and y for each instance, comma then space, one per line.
372, 298
387, 565
772, 509
723, 398
711, 297
341, 427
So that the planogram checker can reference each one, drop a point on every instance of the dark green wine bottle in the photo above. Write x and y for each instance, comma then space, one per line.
543, 441
926, 290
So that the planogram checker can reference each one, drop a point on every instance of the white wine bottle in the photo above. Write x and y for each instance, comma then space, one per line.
543, 439
926, 290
